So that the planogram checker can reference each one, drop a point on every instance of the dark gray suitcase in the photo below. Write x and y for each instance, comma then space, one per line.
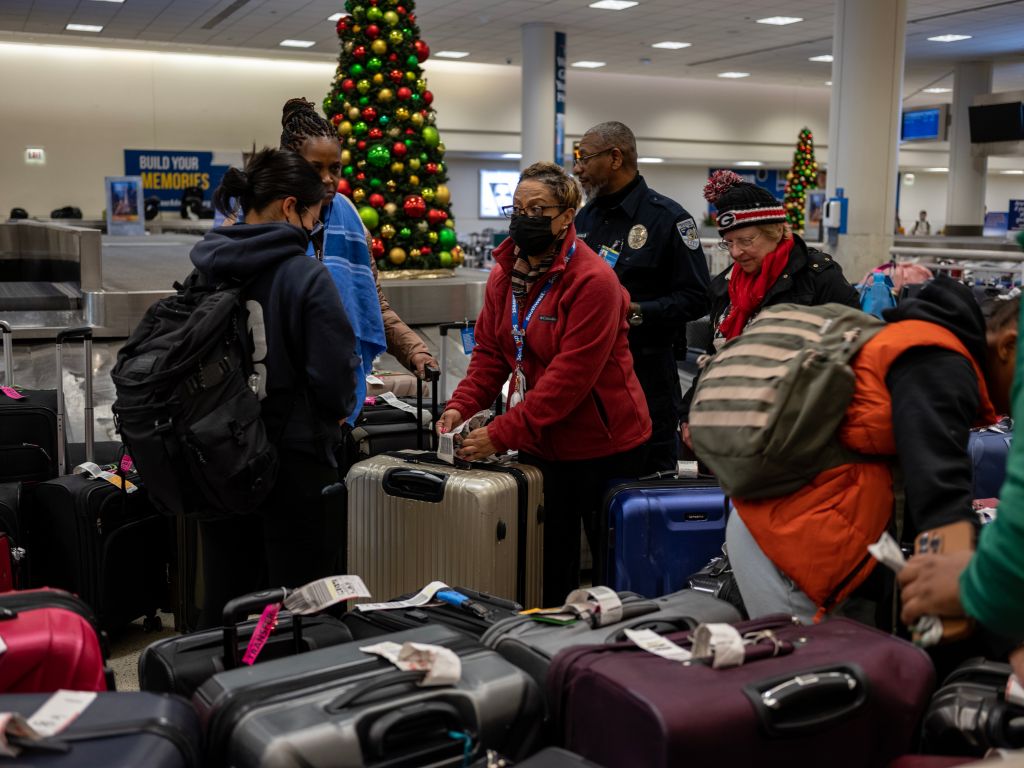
530, 644
343, 708
116, 730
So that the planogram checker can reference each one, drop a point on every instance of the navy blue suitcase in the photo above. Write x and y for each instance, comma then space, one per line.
990, 449
116, 729
656, 533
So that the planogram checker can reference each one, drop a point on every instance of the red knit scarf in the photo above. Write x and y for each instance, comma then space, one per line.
747, 291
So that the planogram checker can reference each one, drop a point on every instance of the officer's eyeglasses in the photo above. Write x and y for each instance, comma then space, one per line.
508, 211
742, 242
581, 159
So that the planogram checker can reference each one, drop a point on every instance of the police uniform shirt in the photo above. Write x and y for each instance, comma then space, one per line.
653, 245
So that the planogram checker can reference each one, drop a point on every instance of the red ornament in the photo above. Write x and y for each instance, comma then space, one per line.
425, 113
412, 18
359, 52
376, 200
361, 144
422, 50
400, 10
399, 149
426, 250
344, 188
377, 247
337, 119
374, 2
369, 114
430, 168
348, 85
409, 132
403, 93
436, 217
427, 97
395, 74
414, 206
376, 133
342, 25
360, 176
373, 31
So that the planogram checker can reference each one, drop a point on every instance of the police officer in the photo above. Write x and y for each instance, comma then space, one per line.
652, 244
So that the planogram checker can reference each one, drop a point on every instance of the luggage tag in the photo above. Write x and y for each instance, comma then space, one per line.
323, 593
12, 393
652, 642
422, 597
391, 399
264, 629
599, 606
928, 629
375, 380
468, 340
442, 665
721, 642
94, 471
59, 711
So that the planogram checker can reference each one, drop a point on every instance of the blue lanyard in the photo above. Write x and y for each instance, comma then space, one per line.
519, 334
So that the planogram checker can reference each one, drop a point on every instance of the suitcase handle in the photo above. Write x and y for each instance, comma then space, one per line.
660, 624
387, 680
432, 374
414, 484
239, 608
5, 332
793, 705
382, 740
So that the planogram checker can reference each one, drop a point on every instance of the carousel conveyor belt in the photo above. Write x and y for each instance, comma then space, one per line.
29, 296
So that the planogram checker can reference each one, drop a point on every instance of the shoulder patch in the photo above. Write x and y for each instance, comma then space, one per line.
687, 229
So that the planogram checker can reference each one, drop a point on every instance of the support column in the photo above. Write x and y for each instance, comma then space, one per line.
864, 119
540, 68
965, 196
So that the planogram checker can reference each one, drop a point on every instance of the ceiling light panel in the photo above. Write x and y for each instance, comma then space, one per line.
588, 64
83, 28
297, 43
452, 54
825, 57
748, 163
671, 45
614, 5
650, 160
949, 38
733, 75
780, 21
938, 90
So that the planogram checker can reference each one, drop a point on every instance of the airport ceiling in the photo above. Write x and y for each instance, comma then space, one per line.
723, 35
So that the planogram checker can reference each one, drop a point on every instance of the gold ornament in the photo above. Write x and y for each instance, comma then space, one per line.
346, 157
379, 47
402, 113
397, 169
416, 119
414, 163
394, 132
432, 237
397, 255
427, 194
378, 79
390, 209
353, 113
457, 258
422, 226
351, 141
387, 231
358, 195
442, 195
410, 77
391, 185
385, 95
414, 181
421, 85
441, 147
449, 223
344, 128
414, 253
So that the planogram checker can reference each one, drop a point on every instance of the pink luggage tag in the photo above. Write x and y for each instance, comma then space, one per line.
264, 629
12, 393
371, 400
127, 465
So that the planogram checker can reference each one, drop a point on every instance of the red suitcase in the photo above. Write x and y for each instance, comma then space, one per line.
51, 643
839, 693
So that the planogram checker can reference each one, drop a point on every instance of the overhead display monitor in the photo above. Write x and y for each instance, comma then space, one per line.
997, 122
927, 124
496, 190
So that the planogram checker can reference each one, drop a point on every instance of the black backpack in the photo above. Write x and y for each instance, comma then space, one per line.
187, 408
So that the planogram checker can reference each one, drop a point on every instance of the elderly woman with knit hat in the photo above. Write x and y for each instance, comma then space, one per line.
771, 265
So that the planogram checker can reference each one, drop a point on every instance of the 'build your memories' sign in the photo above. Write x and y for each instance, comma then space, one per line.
167, 174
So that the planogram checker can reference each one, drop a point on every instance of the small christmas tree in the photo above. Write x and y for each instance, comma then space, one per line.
802, 176
392, 155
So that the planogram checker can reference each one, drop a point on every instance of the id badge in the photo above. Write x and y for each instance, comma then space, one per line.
610, 255
518, 386
468, 340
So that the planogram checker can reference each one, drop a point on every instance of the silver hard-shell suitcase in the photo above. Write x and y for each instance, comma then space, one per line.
342, 708
413, 519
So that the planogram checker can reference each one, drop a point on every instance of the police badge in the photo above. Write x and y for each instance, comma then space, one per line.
637, 236
687, 229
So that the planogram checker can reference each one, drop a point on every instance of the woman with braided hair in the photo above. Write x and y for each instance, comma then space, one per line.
345, 248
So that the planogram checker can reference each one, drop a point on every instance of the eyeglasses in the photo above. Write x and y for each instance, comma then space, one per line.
742, 242
534, 211
581, 159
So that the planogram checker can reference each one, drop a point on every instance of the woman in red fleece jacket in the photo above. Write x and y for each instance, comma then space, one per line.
576, 408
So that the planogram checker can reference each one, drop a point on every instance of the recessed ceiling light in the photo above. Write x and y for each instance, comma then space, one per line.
748, 163
650, 160
297, 43
828, 82
452, 54
938, 90
110, 1
949, 38
1012, 173
614, 5
671, 45
780, 21
588, 64
337, 16
83, 28
826, 57
734, 75
512, 156
936, 170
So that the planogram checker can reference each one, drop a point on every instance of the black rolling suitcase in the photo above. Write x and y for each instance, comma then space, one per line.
28, 427
92, 537
394, 423
115, 730
181, 664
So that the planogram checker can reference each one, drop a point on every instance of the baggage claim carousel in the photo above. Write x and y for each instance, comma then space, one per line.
55, 275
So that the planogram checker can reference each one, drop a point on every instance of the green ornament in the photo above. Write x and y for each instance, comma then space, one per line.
379, 155
406, 32
412, 62
395, 38
415, 98
358, 12
405, 233
364, 100
383, 119
447, 238
363, 86
391, 19
357, 70
359, 128
369, 217
374, 14
348, 170
375, 183
423, 155
374, 64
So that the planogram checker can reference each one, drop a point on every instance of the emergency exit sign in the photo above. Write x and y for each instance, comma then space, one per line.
35, 156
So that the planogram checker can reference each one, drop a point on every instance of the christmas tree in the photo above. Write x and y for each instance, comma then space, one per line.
392, 155
802, 176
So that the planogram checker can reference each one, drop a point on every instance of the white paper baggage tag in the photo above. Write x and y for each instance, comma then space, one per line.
446, 447
323, 593
722, 642
608, 608
928, 629
13, 724
654, 643
442, 665
422, 597
374, 380
687, 470
59, 711
96, 472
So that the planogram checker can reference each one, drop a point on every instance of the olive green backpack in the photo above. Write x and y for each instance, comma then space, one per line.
767, 406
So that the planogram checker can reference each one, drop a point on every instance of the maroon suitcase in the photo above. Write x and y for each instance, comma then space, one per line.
838, 693
930, 761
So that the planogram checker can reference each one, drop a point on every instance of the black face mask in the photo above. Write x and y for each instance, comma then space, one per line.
531, 233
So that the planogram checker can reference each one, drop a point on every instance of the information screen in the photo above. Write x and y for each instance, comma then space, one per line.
496, 190
922, 125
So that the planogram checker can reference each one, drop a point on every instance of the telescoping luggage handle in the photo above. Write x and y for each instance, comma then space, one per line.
443, 329
239, 608
431, 374
85, 334
5, 330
